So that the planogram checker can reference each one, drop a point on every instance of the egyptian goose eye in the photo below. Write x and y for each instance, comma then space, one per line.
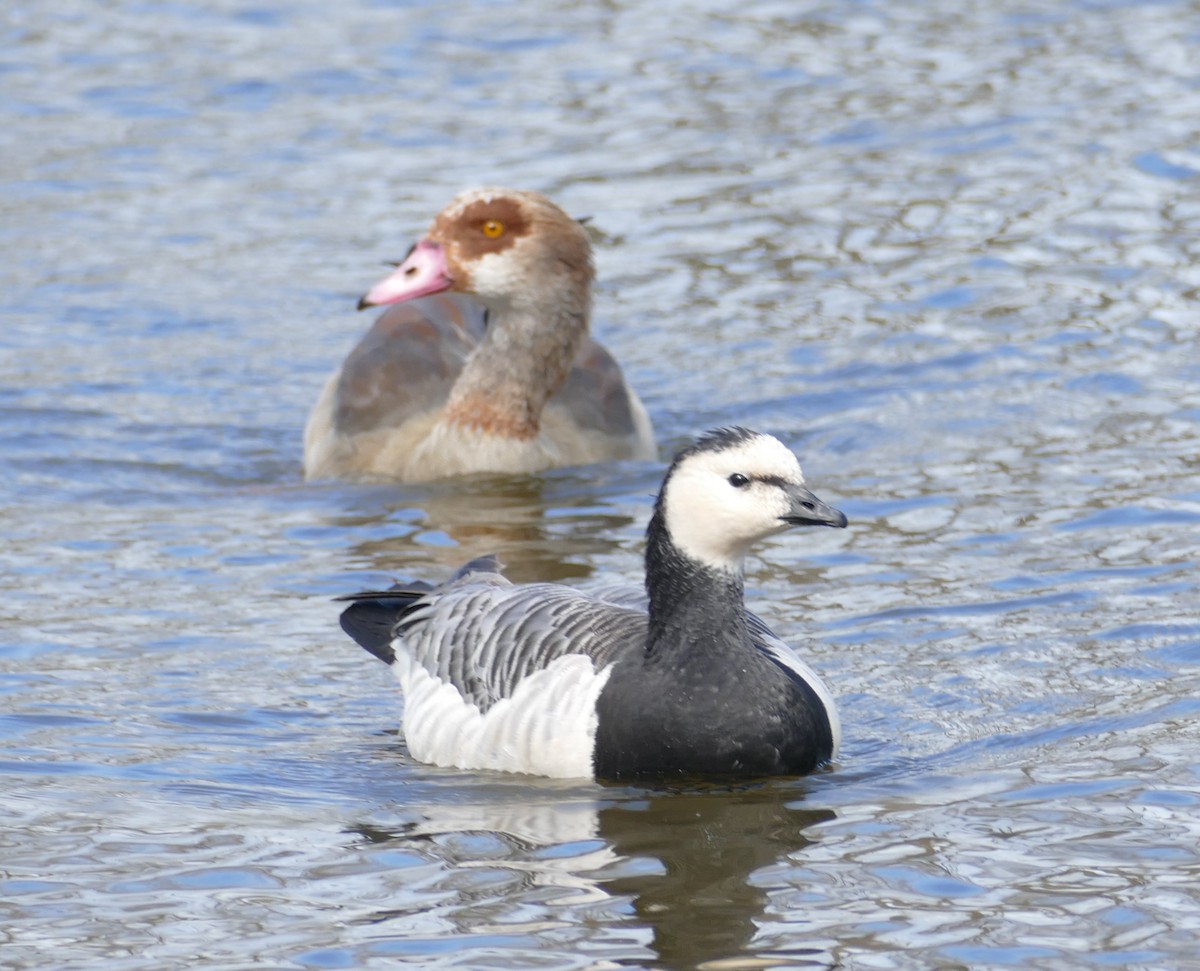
493, 229
738, 481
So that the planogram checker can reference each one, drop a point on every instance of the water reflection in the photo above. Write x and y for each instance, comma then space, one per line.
703, 904
685, 859
549, 528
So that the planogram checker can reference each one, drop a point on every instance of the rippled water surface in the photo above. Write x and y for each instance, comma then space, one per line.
948, 251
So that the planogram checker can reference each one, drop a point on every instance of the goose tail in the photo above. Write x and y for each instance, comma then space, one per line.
372, 616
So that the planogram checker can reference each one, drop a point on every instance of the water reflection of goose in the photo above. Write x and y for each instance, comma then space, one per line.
550, 680
684, 860
553, 526
703, 905
521, 825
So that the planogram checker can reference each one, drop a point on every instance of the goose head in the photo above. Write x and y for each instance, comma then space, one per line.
732, 488
508, 248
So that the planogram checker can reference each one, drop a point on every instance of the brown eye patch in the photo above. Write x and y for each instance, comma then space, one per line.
489, 226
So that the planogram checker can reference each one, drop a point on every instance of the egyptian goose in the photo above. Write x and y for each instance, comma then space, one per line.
620, 683
508, 381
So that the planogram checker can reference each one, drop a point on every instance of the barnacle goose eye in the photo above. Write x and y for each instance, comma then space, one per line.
738, 481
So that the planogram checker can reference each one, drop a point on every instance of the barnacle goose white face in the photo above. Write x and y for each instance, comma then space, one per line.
719, 501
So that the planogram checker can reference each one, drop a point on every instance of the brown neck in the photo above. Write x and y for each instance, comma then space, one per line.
490, 414
523, 359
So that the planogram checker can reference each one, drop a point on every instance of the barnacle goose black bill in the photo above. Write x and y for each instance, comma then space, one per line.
811, 511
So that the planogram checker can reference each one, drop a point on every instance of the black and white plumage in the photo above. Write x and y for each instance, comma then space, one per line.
619, 683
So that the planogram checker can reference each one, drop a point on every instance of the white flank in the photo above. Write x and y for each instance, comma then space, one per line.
546, 727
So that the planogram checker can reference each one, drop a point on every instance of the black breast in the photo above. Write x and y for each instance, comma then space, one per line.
746, 718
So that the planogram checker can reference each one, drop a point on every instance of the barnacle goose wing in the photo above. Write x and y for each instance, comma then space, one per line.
484, 635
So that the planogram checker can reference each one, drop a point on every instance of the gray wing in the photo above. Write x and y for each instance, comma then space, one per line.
622, 593
778, 650
595, 394
633, 596
406, 363
484, 635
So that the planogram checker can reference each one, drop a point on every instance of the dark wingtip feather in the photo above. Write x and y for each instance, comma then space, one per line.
371, 622
397, 591
372, 615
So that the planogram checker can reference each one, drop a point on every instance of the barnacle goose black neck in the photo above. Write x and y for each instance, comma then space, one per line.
620, 683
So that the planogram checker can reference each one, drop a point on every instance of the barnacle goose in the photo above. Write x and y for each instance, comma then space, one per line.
620, 683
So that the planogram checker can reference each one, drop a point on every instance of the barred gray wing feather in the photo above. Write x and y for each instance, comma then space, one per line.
622, 593
778, 650
760, 633
484, 635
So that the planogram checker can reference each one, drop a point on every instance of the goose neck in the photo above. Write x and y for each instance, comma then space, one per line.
692, 605
524, 358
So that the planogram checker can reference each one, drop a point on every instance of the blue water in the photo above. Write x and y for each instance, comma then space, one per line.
947, 253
